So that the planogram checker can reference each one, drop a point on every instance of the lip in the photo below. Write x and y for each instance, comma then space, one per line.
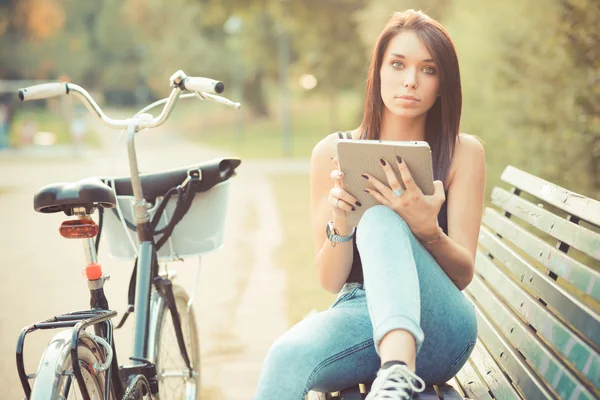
411, 98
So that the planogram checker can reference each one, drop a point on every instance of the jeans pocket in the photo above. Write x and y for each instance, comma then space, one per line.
344, 295
458, 363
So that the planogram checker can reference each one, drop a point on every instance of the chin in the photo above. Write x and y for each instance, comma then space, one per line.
407, 112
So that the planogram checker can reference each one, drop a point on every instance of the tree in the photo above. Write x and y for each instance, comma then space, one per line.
580, 29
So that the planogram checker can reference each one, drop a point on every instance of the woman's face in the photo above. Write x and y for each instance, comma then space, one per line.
409, 77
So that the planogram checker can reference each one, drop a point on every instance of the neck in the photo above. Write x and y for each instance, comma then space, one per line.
394, 127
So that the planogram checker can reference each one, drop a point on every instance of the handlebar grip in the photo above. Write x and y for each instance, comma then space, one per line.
202, 85
43, 91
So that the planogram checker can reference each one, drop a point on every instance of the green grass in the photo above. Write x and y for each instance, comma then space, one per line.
296, 253
236, 131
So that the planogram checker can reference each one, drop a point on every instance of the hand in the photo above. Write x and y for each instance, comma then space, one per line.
418, 210
341, 201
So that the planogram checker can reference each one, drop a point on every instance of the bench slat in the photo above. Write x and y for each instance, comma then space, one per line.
495, 379
508, 359
523, 338
472, 384
569, 345
582, 239
579, 315
451, 390
579, 275
570, 202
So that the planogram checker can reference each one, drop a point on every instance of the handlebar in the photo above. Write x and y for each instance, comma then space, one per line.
202, 85
43, 91
203, 89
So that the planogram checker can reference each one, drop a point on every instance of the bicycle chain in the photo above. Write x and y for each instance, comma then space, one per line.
138, 389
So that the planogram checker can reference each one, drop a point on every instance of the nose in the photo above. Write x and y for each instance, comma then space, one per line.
410, 83
410, 80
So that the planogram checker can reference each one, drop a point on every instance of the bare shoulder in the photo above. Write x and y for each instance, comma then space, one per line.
325, 148
469, 155
468, 145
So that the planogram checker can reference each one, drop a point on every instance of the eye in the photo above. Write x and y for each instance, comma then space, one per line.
429, 70
397, 64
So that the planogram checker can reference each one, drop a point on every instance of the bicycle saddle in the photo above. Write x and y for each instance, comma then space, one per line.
88, 193
157, 184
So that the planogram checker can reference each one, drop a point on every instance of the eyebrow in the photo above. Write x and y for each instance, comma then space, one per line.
401, 56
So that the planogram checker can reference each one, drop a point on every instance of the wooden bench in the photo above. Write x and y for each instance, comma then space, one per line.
536, 292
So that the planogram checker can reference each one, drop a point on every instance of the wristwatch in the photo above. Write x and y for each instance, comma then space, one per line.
333, 236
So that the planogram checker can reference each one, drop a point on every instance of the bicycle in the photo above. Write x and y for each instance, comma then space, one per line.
78, 361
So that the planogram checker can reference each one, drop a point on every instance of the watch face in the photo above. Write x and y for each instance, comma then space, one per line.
329, 230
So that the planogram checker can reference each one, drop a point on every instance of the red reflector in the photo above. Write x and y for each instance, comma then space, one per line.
93, 272
78, 229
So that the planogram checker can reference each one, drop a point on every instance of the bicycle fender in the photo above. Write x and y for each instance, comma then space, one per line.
56, 354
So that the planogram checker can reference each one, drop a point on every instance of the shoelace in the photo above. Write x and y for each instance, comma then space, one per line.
396, 383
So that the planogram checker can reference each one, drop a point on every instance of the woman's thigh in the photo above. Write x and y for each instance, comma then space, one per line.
333, 349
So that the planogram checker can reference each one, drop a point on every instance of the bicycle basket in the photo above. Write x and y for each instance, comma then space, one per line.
199, 232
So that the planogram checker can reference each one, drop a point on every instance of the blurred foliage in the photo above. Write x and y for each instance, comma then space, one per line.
530, 73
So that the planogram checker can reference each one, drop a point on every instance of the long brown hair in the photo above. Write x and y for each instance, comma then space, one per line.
443, 118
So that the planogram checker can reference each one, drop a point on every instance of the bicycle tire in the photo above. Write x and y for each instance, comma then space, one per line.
163, 348
55, 379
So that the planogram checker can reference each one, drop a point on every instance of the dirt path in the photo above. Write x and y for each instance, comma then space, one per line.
239, 302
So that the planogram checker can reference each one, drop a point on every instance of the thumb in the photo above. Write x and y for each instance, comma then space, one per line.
438, 189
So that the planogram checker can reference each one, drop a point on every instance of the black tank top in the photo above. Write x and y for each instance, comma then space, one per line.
356, 274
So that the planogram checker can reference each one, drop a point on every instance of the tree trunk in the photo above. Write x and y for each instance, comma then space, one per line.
254, 96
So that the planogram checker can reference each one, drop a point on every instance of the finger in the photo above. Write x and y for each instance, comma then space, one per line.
336, 202
381, 199
336, 165
336, 177
341, 194
438, 190
390, 175
380, 187
336, 162
407, 178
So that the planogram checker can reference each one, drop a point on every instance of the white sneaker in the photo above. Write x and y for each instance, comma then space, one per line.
396, 382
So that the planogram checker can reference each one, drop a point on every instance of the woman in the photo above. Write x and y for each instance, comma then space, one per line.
400, 316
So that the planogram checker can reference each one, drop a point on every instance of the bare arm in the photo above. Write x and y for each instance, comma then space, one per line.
333, 263
455, 253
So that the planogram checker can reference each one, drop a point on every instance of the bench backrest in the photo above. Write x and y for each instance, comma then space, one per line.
537, 293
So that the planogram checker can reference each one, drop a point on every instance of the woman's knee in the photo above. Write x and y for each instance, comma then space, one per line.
288, 355
282, 353
379, 219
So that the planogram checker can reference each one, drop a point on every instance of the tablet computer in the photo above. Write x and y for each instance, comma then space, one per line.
359, 156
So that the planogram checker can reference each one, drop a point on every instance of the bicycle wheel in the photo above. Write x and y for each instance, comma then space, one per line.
55, 378
172, 374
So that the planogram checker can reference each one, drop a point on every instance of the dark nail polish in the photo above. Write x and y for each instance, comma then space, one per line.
358, 204
399, 159
382, 161
353, 209
364, 176
367, 191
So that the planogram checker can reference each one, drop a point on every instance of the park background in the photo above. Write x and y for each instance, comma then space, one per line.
530, 74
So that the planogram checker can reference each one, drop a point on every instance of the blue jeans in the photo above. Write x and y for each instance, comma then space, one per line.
404, 288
